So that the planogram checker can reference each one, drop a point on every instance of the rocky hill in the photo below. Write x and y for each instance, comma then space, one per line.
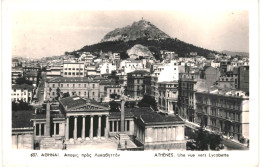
146, 34
140, 29
139, 50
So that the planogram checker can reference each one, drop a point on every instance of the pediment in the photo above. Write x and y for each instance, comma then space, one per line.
89, 107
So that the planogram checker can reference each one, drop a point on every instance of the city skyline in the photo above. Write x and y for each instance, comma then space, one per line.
71, 30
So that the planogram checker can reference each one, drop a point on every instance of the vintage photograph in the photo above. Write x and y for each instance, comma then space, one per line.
130, 80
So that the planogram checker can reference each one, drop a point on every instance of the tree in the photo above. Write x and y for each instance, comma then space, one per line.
203, 140
66, 95
58, 93
114, 106
148, 101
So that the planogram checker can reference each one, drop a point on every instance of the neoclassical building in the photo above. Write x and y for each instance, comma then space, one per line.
76, 121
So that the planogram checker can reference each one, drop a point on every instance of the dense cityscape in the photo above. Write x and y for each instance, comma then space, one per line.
104, 99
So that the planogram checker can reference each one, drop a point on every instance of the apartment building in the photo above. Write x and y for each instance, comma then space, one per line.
135, 83
22, 92
80, 86
225, 111
73, 69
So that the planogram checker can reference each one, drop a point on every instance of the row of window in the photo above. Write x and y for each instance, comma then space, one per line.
73, 85
73, 73
73, 68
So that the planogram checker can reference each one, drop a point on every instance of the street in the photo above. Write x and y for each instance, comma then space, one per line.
230, 145
41, 88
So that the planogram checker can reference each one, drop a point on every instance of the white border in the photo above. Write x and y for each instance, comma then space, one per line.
22, 158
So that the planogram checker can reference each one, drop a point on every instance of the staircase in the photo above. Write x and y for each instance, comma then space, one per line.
125, 141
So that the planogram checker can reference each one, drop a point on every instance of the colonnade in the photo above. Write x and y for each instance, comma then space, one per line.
83, 127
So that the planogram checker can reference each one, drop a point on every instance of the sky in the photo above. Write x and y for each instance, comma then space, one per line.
49, 33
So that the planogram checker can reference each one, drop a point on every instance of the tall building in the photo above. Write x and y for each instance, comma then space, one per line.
83, 87
243, 78
225, 111
135, 83
73, 69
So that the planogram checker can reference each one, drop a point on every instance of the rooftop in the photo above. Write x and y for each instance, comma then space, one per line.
148, 116
71, 80
76, 101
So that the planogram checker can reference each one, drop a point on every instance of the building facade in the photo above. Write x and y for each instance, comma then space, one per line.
83, 87
135, 83
73, 69
226, 112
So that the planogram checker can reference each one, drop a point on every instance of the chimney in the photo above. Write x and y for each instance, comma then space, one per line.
48, 119
122, 115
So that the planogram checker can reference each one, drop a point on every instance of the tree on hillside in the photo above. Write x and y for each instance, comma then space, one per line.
148, 101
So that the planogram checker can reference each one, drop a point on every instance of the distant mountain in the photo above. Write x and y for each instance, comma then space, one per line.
243, 54
140, 29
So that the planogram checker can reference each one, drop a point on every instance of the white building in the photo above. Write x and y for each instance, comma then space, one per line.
107, 68
22, 92
73, 69
131, 65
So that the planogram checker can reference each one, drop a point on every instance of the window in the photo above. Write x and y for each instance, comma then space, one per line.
73, 68
69, 73
77, 73
57, 128
93, 85
37, 130
93, 93
85, 93
79, 85
73, 85
68, 85
85, 85
53, 93
61, 85
14, 90
79, 93
65, 68
111, 126
81, 73
69, 68
73, 73
127, 125
65, 73
77, 68
24, 93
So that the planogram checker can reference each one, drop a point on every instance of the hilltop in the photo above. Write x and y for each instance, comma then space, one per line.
140, 29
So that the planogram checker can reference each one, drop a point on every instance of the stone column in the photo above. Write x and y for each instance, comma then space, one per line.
34, 130
83, 128
116, 126
99, 126
91, 127
113, 126
75, 127
54, 124
107, 127
67, 128
40, 129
